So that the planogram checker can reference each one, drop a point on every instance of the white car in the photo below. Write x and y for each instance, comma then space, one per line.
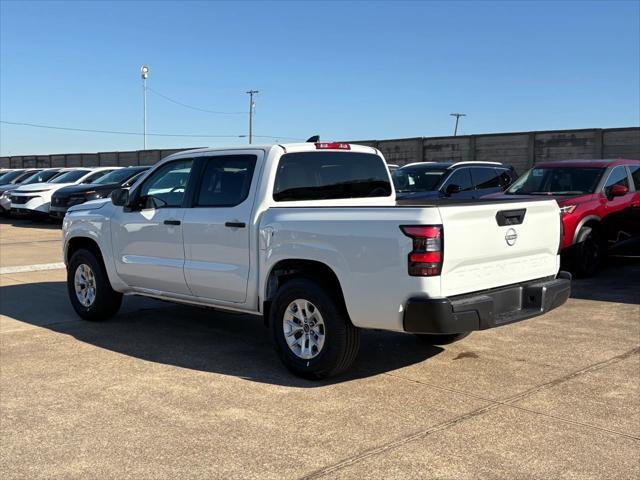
37, 176
35, 199
310, 237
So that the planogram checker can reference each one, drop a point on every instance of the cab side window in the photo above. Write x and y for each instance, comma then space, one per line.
226, 181
165, 187
459, 181
618, 176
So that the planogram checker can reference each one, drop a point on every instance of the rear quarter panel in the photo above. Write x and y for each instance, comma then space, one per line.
363, 246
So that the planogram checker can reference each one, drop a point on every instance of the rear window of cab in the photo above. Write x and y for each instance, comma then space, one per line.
330, 175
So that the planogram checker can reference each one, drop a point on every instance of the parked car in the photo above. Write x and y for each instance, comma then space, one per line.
36, 176
66, 197
310, 237
35, 199
463, 180
14, 177
600, 205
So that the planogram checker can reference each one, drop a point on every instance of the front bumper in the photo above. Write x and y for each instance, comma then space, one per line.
29, 205
488, 309
25, 212
58, 212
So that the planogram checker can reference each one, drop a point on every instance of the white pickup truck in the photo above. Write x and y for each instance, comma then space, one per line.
310, 236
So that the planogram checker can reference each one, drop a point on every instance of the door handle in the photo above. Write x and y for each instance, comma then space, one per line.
235, 224
172, 222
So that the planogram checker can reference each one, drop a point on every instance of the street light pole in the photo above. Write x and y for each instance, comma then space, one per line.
251, 107
457, 115
144, 73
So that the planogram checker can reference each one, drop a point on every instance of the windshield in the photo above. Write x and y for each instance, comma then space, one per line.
40, 177
117, 176
133, 179
9, 177
70, 177
417, 179
557, 181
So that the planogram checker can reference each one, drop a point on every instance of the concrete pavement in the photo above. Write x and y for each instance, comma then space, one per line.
166, 391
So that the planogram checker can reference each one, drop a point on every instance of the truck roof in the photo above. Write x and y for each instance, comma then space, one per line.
287, 147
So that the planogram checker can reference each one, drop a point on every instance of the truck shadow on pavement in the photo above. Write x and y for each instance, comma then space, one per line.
26, 222
196, 338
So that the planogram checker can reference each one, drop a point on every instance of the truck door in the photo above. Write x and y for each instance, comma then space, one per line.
147, 236
618, 212
217, 227
634, 209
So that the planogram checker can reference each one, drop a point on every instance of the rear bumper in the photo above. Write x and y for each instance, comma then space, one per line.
488, 309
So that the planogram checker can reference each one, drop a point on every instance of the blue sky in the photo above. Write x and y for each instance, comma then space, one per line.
345, 70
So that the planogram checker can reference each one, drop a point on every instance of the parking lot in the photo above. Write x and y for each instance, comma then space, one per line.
166, 391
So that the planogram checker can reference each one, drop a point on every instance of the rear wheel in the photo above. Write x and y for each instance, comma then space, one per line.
444, 339
89, 289
312, 332
587, 255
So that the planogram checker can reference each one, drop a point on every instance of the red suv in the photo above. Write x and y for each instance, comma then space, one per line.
600, 205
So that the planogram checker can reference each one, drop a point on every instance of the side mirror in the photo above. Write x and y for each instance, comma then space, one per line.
120, 197
618, 191
452, 188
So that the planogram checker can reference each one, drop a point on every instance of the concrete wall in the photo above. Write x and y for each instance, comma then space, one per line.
102, 159
520, 149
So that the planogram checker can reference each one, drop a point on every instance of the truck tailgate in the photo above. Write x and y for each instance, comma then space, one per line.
491, 244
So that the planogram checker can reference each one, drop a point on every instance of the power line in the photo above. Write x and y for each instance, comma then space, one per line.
89, 130
192, 107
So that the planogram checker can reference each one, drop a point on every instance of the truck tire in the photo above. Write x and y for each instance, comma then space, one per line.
443, 339
587, 256
312, 332
89, 289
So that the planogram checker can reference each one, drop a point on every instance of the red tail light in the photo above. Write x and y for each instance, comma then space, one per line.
333, 146
425, 260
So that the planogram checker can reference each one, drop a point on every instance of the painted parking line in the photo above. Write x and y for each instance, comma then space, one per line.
31, 268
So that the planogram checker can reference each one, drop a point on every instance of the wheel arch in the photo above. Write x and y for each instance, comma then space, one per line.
81, 242
288, 269
580, 233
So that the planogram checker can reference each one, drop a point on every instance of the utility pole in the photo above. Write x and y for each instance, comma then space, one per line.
252, 105
457, 115
144, 73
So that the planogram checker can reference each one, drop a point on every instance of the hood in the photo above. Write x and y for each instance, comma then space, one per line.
417, 195
87, 187
7, 188
90, 205
34, 187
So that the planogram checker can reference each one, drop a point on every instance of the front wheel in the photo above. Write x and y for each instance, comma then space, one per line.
587, 256
89, 289
312, 332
